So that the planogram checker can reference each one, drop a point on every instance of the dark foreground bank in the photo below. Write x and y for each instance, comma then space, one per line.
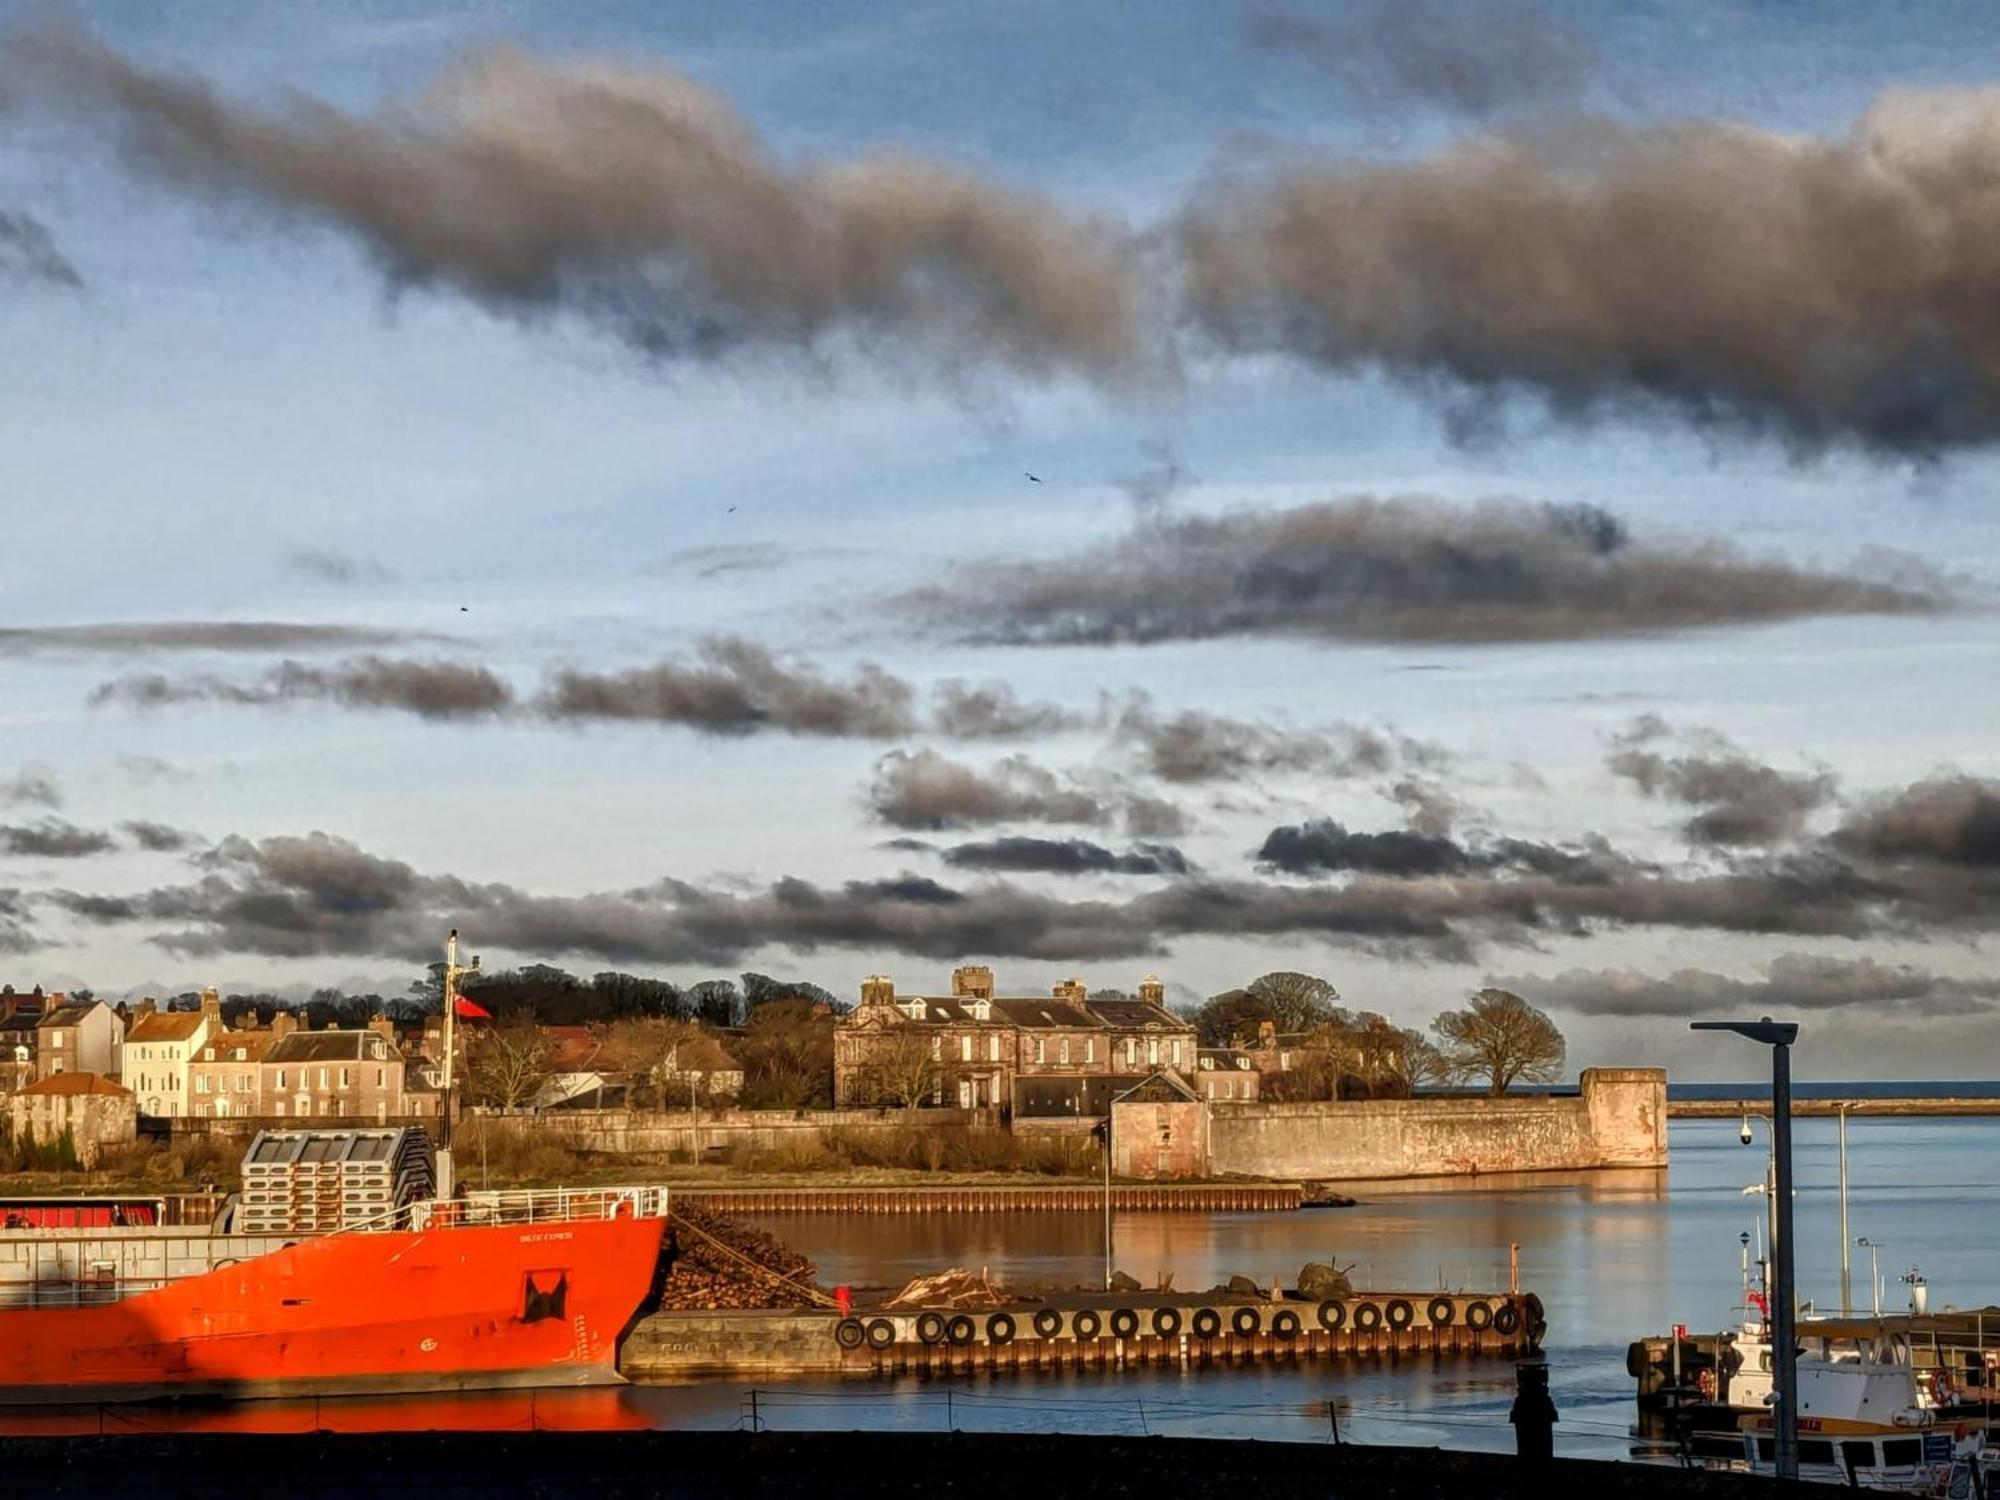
605, 1465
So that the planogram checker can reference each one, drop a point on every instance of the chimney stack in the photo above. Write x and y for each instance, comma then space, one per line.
1071, 991
972, 982
284, 1023
878, 989
1152, 991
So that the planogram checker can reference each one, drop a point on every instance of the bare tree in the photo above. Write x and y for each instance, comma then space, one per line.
509, 1065
644, 1049
1502, 1038
901, 1069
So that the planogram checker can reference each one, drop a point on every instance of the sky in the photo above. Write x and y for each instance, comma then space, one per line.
1433, 496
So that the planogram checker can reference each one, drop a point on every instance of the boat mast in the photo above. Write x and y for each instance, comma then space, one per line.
446, 1185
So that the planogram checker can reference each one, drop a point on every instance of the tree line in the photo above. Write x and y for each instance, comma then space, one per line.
1339, 1053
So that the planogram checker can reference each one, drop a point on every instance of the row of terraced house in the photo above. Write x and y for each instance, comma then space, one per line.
1068, 1053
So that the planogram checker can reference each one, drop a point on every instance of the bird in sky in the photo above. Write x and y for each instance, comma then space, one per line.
1036, 478
462, 609
732, 510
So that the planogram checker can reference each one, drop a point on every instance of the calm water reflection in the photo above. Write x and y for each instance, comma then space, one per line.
1613, 1255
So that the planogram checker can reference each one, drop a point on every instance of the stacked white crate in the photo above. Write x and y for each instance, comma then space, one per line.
317, 1181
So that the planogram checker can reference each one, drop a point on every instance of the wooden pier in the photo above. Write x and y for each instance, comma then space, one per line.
1082, 1331
1223, 1197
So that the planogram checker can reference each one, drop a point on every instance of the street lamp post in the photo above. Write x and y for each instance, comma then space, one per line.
1779, 1036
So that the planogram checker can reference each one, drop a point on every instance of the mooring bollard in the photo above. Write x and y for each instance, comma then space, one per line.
1534, 1416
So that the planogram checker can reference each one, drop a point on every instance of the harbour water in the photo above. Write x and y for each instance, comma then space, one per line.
1613, 1255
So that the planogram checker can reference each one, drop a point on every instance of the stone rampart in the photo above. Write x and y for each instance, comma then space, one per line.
1616, 1118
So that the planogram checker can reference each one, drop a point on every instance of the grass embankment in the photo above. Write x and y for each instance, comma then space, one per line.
508, 1153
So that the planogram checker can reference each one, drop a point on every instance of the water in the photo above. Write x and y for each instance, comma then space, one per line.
1614, 1255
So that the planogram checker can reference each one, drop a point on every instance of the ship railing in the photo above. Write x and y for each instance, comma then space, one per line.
522, 1206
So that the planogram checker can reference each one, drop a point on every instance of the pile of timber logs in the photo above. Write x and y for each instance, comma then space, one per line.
702, 1276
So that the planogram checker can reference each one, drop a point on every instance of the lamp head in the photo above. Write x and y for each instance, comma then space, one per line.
1746, 1130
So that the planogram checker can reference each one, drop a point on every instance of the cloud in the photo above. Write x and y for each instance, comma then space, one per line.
28, 253
34, 782
1949, 820
1825, 290
1197, 746
1066, 857
1430, 808
1793, 983
15, 934
1479, 62
992, 711
632, 199
737, 687
725, 557
1325, 846
922, 789
1742, 801
52, 838
431, 689
159, 838
1400, 569
337, 567
190, 635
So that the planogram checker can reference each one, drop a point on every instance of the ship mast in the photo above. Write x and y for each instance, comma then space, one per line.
446, 1185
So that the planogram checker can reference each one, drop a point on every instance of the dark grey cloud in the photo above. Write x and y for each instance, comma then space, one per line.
33, 782
1398, 569
922, 789
432, 689
1792, 983
28, 253
190, 635
993, 711
1197, 746
328, 566
1323, 846
1823, 289
633, 199
1480, 61
52, 838
16, 936
151, 768
160, 838
735, 687
1019, 855
1948, 820
1741, 800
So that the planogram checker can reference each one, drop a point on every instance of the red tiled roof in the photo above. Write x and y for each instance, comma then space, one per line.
165, 1026
75, 1083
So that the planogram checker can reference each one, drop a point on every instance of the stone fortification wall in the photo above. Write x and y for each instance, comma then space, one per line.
1617, 1118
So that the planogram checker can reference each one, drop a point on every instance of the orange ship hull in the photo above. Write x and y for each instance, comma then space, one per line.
457, 1308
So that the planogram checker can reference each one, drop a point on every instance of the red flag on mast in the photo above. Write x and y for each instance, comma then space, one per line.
468, 1010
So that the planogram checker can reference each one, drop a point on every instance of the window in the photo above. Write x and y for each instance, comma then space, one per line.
381, 1077
992, 1048
1177, 1054
1041, 1049
1152, 1050
965, 1049
1062, 1052
55, 1039
242, 1083
343, 1078
1815, 1451
1131, 1051
1899, 1451
937, 1049
278, 1108
281, 1078
1090, 1049
322, 1077
201, 1084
